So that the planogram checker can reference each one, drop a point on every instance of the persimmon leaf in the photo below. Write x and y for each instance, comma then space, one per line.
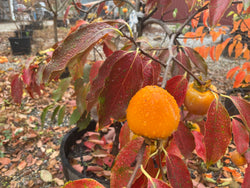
76, 45
217, 8
94, 70
122, 169
124, 136
190, 4
243, 107
217, 132
99, 81
86, 182
177, 69
177, 87
17, 89
241, 136
177, 172
199, 145
239, 78
246, 182
124, 80
184, 140
196, 59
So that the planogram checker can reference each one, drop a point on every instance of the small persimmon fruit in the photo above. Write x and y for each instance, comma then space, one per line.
153, 113
198, 101
105, 7
238, 159
124, 10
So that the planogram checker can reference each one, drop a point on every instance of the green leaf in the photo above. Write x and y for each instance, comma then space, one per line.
175, 12
83, 122
61, 115
44, 113
62, 87
74, 117
53, 117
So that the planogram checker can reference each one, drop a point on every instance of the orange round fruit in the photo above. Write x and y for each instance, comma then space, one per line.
153, 113
198, 102
124, 10
118, 3
105, 7
238, 159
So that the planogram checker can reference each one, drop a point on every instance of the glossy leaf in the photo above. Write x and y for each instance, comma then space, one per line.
27, 75
196, 59
199, 145
157, 183
217, 8
124, 80
243, 107
76, 45
16, 89
217, 132
161, 5
246, 182
173, 149
82, 183
177, 87
98, 83
177, 172
241, 136
123, 168
151, 71
184, 140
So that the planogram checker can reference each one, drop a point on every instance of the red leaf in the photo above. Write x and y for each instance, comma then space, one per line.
122, 169
124, 80
161, 5
100, 8
184, 140
107, 51
246, 182
196, 59
98, 83
231, 72
177, 87
77, 44
217, 132
94, 70
27, 73
217, 8
173, 149
199, 145
247, 156
177, 69
151, 71
243, 107
241, 136
17, 89
66, 13
157, 183
86, 182
124, 136
177, 172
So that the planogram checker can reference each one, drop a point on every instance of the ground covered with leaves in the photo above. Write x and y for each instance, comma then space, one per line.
29, 154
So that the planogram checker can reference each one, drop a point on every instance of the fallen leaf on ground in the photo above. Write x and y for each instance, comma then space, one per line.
46, 176
5, 161
22, 165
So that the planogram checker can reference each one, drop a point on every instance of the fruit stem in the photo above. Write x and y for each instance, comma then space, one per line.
160, 162
138, 159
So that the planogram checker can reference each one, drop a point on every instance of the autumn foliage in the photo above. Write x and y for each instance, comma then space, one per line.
111, 80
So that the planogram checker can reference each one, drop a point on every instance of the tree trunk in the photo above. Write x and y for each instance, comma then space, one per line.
55, 28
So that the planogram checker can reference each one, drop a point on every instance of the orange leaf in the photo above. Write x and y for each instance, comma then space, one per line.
236, 26
205, 17
22, 165
246, 54
212, 49
244, 25
238, 49
230, 48
198, 31
231, 72
247, 78
5, 161
188, 35
239, 78
195, 20
218, 51
202, 37
214, 35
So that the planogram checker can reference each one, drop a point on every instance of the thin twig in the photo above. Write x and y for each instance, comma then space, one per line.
139, 158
